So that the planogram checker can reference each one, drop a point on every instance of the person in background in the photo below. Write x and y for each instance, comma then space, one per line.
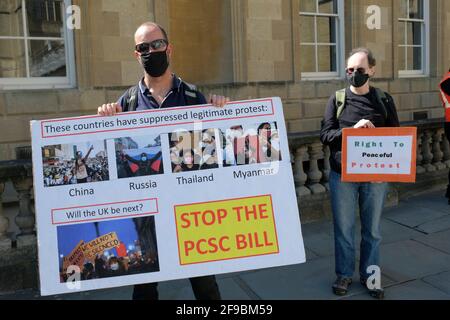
189, 162
444, 88
81, 171
269, 146
144, 163
230, 141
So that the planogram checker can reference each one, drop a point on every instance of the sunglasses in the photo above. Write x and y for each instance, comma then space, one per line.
154, 45
352, 70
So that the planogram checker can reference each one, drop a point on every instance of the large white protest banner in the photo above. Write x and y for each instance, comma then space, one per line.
163, 194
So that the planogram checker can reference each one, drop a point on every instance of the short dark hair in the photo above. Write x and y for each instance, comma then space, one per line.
163, 32
368, 52
153, 24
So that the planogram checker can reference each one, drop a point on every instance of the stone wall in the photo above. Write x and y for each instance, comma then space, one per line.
304, 103
240, 48
203, 45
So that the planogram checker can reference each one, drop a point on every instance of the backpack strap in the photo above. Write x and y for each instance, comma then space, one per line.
191, 94
340, 102
380, 95
131, 99
383, 100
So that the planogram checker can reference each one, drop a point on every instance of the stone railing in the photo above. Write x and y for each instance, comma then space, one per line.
18, 261
19, 172
311, 168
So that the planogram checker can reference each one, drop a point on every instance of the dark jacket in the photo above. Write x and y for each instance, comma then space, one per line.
356, 108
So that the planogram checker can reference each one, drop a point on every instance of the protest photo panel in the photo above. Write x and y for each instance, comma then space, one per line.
75, 163
138, 156
108, 248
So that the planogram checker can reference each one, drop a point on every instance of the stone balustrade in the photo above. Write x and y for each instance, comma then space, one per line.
19, 172
311, 168
18, 245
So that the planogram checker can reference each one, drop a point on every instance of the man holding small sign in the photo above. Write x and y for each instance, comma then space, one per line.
358, 106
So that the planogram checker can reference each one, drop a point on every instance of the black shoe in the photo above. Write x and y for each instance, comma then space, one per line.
340, 286
374, 293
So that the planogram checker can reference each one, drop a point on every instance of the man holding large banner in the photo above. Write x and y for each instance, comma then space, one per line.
359, 106
160, 88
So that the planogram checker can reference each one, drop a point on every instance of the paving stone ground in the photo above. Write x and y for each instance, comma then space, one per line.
415, 264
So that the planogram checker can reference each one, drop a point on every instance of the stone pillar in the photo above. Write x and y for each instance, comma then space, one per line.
446, 150
300, 176
438, 155
426, 152
5, 242
314, 174
25, 219
419, 168
326, 167
239, 39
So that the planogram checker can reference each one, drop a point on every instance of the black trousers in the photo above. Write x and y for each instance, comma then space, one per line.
205, 288
447, 133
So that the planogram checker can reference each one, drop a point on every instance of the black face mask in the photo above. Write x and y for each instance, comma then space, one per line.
155, 63
357, 79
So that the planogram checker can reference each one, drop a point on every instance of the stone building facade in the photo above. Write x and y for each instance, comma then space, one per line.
244, 49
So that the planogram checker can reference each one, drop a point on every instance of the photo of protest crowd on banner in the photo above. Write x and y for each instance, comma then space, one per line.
108, 248
75, 163
244, 145
193, 150
138, 156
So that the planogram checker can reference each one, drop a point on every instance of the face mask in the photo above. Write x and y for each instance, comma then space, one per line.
357, 79
188, 160
144, 158
115, 267
155, 63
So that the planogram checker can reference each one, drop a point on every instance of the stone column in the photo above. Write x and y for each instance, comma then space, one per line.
314, 174
438, 155
419, 168
239, 39
25, 219
5, 242
300, 176
426, 151
446, 150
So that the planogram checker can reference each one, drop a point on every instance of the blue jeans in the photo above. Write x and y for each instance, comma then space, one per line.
345, 196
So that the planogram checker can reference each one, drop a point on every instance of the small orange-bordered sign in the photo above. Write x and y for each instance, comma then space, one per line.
379, 155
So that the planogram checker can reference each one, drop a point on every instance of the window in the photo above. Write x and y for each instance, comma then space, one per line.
413, 29
36, 48
321, 38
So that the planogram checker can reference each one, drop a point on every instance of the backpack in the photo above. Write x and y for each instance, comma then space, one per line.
191, 95
380, 95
